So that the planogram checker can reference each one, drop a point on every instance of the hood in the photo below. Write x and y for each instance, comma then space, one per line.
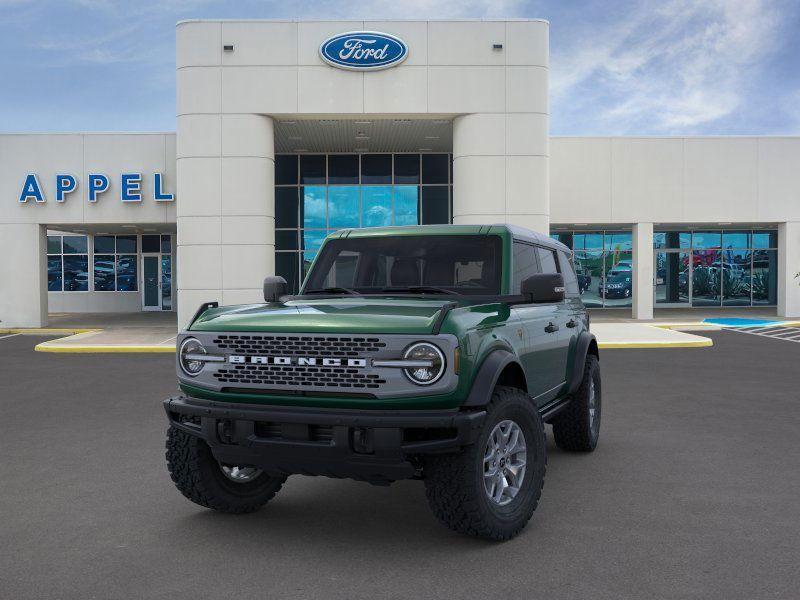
328, 315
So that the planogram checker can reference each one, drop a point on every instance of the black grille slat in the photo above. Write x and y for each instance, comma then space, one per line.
312, 346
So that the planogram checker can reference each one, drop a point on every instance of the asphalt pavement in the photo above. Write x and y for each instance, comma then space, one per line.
693, 492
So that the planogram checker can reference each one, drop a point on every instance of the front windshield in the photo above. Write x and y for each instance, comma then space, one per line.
405, 264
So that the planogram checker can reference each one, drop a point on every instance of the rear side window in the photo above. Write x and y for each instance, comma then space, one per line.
570, 279
525, 264
547, 260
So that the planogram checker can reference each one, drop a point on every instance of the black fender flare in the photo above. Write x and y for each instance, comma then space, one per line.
487, 376
585, 341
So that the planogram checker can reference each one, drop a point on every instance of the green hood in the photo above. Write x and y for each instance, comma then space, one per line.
327, 315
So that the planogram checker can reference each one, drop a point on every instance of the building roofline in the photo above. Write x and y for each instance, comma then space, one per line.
463, 20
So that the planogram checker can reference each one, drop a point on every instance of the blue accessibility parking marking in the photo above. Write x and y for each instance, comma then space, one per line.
741, 322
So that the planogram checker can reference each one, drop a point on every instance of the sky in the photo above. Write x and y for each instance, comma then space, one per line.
669, 67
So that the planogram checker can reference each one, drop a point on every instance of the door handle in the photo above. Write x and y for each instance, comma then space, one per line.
551, 328
571, 323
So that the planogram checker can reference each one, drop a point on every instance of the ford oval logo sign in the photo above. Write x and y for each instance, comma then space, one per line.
363, 50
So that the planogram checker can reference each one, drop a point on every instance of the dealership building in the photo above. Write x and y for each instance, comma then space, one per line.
290, 130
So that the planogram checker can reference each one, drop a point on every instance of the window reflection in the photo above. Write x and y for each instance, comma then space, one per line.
406, 205
343, 206
376, 205
672, 278
314, 210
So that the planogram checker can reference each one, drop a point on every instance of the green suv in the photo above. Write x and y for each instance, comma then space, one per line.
432, 352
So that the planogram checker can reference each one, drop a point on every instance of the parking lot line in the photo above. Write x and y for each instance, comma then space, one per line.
2, 337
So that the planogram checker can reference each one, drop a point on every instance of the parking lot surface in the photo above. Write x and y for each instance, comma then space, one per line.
693, 492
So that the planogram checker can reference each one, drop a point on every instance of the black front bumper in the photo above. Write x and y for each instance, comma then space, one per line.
372, 445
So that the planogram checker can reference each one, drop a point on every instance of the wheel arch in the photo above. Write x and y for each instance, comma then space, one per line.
500, 367
585, 345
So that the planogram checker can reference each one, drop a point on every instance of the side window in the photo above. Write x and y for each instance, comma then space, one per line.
525, 264
547, 258
570, 279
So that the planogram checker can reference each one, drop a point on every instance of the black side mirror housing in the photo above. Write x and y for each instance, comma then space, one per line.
543, 288
274, 288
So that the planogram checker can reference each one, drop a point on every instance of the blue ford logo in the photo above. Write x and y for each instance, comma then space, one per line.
363, 50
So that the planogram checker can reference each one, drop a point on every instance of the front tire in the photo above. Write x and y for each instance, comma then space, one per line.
577, 428
199, 477
474, 491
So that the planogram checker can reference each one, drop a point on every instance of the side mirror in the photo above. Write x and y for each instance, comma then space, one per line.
274, 288
543, 288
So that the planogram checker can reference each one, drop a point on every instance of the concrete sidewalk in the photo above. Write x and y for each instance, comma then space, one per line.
156, 332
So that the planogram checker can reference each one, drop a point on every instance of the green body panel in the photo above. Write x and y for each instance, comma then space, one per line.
330, 315
481, 329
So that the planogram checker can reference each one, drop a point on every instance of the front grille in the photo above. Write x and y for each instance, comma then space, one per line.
294, 376
322, 434
299, 345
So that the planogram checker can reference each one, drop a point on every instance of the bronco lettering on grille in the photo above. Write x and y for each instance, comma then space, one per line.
301, 361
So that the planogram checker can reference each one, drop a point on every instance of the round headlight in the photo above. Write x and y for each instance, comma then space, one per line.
429, 353
189, 348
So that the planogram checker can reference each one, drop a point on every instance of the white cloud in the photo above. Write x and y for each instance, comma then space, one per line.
669, 69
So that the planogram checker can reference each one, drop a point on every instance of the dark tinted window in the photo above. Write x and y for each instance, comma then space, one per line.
75, 244
285, 207
126, 244
434, 168
406, 168
435, 205
547, 260
525, 265
286, 239
376, 168
343, 168
464, 264
570, 279
150, 243
54, 244
312, 168
286, 169
104, 244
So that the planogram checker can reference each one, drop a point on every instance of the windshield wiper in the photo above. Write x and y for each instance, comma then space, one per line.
333, 290
420, 289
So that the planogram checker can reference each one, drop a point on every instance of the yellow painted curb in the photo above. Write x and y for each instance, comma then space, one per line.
704, 343
99, 349
46, 331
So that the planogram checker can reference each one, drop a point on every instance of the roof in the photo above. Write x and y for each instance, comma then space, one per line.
519, 233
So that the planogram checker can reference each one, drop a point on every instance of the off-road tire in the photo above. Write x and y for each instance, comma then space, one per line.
198, 476
454, 482
573, 429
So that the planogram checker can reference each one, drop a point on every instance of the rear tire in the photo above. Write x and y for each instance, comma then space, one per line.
577, 427
199, 477
455, 484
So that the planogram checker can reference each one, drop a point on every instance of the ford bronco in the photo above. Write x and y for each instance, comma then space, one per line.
427, 352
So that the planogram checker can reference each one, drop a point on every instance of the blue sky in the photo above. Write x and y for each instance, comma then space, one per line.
617, 68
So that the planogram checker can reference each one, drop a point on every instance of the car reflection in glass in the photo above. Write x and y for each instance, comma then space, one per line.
617, 285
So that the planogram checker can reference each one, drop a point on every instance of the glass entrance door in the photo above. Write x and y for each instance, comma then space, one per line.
151, 276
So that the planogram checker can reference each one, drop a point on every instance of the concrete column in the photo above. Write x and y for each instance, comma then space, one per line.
23, 271
226, 222
788, 267
501, 170
642, 271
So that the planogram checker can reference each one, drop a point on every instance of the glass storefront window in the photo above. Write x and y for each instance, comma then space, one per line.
67, 263
618, 241
765, 277
589, 268
406, 205
765, 239
707, 239
736, 239
736, 277
313, 207
104, 272
317, 194
76, 273
126, 273
376, 208
55, 279
343, 204
672, 239
672, 278
706, 277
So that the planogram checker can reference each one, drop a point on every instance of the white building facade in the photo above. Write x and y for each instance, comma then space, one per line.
278, 145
